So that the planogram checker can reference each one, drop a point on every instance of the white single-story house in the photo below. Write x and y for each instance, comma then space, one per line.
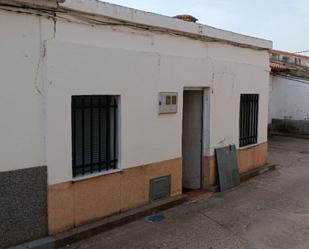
99, 103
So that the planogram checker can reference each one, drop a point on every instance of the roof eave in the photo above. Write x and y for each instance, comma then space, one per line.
32, 3
138, 17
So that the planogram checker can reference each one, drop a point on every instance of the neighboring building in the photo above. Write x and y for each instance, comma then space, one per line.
289, 91
98, 100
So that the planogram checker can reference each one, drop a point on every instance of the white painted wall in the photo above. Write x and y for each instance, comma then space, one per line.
289, 99
21, 81
83, 59
98, 60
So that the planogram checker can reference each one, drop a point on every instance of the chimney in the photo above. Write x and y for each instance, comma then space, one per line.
186, 18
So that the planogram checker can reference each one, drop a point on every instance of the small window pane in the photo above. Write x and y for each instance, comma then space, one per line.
168, 100
248, 119
94, 134
174, 100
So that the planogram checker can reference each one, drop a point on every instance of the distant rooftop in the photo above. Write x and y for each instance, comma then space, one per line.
290, 63
304, 57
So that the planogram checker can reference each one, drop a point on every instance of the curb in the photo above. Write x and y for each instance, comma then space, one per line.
256, 172
89, 230
44, 243
248, 175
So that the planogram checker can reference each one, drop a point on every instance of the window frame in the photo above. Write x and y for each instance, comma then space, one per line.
108, 104
248, 119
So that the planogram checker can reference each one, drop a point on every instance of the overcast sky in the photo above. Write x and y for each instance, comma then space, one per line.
285, 22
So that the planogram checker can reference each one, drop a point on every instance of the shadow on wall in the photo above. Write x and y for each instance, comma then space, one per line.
300, 127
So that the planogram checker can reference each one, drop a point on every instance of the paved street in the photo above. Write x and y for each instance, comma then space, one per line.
269, 211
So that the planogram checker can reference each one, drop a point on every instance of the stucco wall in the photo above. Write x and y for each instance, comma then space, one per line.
289, 99
55, 62
101, 60
21, 95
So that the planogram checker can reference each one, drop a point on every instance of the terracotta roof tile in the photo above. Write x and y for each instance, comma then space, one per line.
276, 67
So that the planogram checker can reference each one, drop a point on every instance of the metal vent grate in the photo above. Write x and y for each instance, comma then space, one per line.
160, 188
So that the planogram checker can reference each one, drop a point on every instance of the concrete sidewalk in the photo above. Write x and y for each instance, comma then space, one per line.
269, 211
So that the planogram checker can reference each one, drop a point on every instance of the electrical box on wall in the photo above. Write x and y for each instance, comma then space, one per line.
168, 102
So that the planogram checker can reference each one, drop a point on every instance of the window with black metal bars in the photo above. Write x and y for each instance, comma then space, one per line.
248, 119
94, 134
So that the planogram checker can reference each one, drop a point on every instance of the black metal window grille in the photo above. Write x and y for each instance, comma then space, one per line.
94, 134
248, 119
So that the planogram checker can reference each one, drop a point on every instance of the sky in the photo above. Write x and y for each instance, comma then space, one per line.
285, 22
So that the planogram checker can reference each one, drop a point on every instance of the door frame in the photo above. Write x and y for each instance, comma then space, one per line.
206, 129
202, 90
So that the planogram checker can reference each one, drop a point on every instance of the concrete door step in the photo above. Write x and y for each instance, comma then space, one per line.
91, 229
196, 195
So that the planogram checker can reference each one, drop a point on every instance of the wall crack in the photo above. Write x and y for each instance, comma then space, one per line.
38, 69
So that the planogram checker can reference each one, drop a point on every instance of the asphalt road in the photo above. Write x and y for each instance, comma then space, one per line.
268, 211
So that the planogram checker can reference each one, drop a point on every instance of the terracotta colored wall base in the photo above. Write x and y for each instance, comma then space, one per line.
209, 172
74, 203
252, 158
248, 159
